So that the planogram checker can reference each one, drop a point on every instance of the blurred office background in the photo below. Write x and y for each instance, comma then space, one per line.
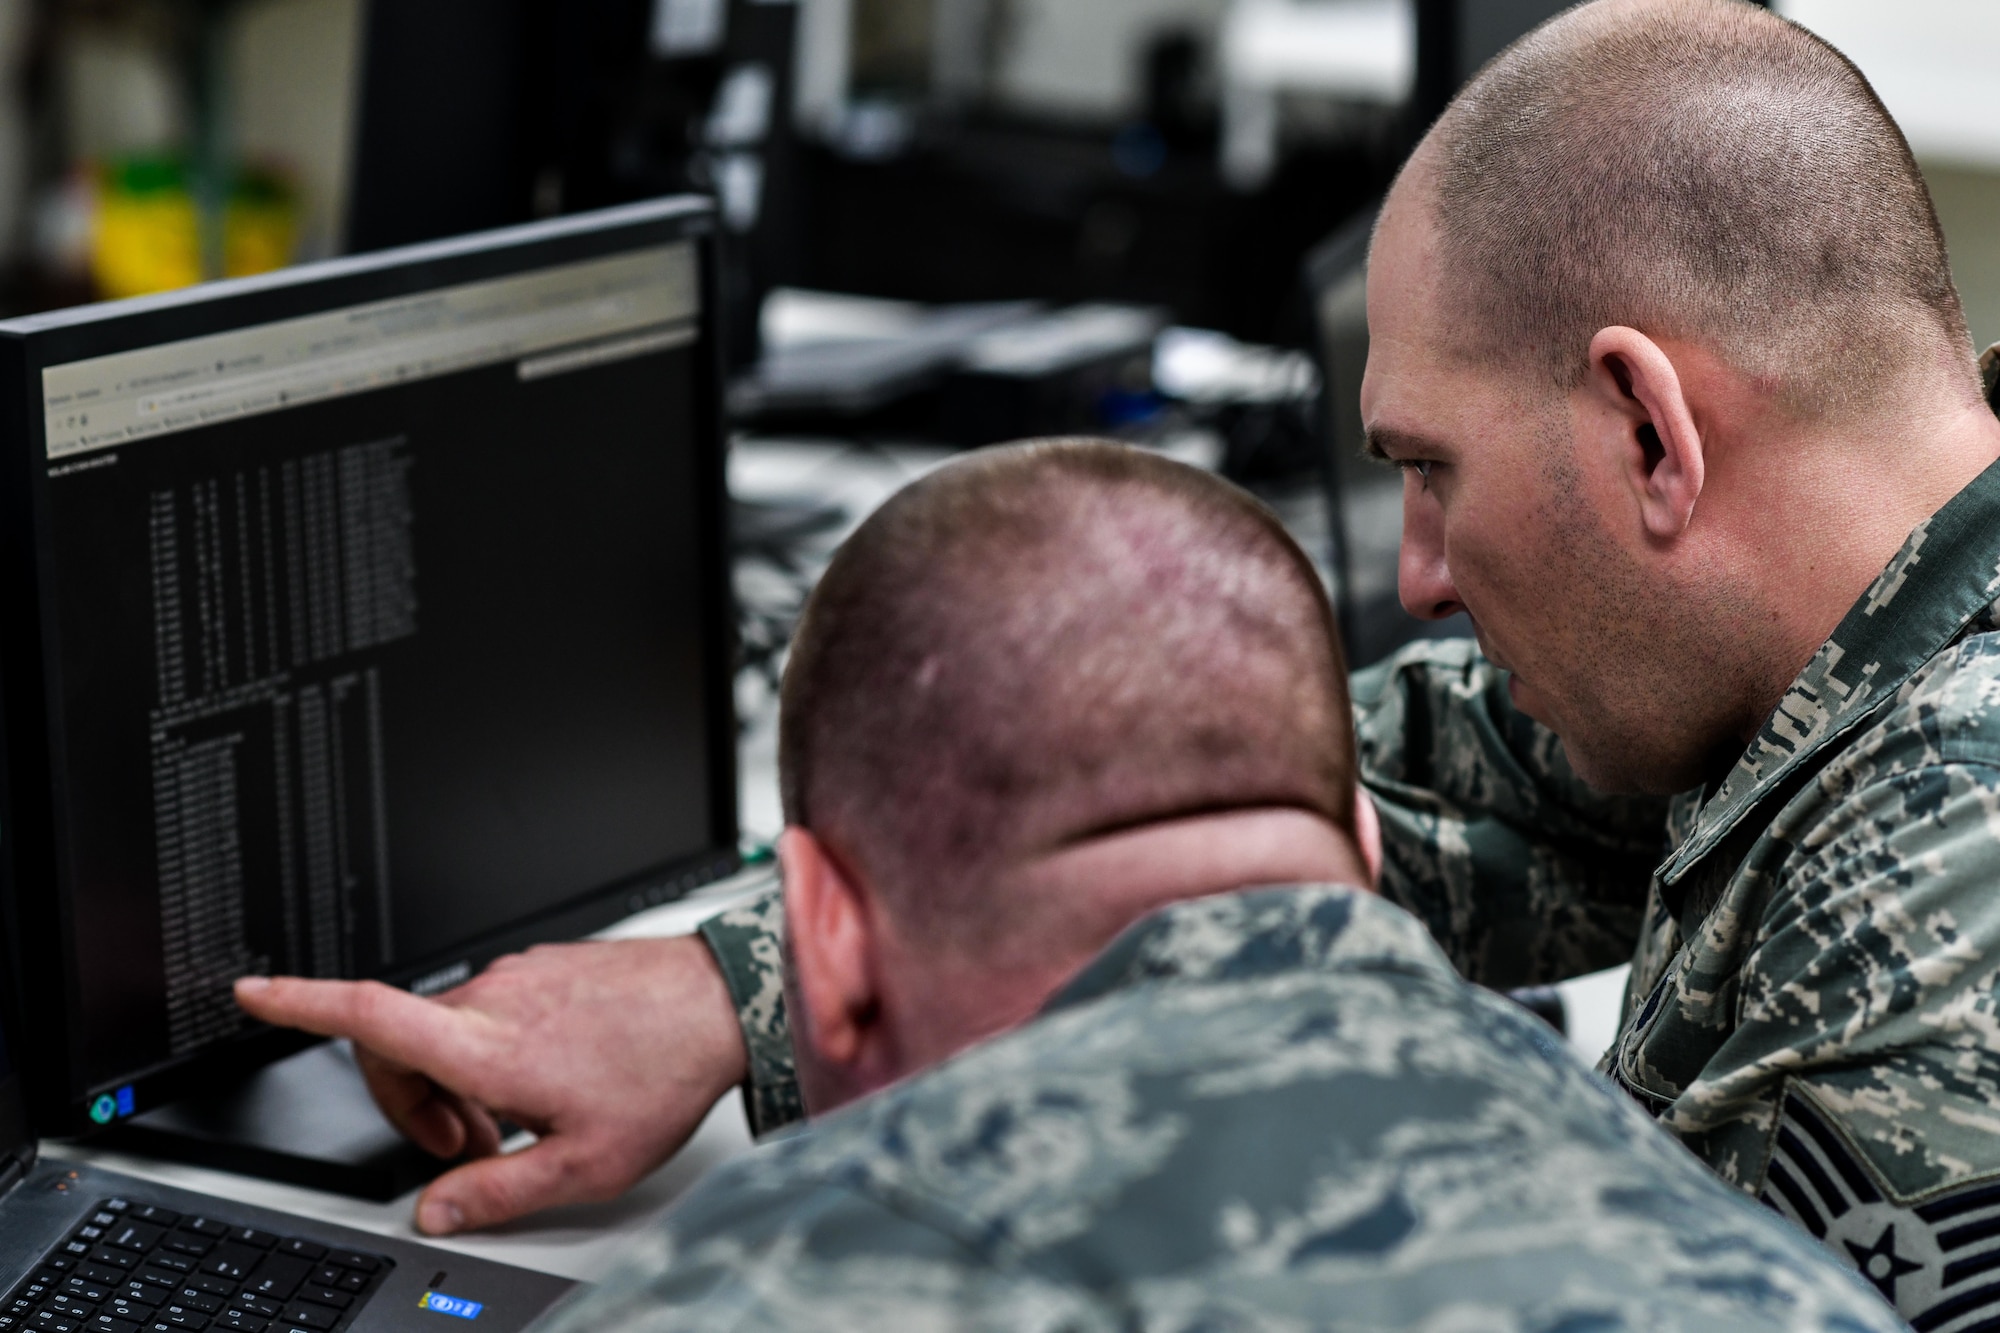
946, 221
1180, 150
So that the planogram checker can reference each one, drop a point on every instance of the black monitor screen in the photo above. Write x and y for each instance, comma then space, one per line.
377, 633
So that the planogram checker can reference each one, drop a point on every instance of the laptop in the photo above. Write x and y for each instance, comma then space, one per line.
85, 1248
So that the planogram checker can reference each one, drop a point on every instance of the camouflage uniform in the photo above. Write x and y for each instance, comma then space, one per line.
1271, 1109
1814, 939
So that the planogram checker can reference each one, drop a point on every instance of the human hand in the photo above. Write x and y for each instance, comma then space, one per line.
610, 1052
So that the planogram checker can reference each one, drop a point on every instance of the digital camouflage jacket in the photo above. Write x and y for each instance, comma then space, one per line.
1272, 1109
1814, 939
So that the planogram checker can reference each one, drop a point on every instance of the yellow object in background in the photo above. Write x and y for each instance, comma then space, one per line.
146, 234
260, 228
145, 237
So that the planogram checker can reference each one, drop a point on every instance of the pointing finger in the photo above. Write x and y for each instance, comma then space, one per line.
443, 1042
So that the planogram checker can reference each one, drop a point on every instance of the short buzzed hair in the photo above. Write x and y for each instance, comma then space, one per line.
1042, 642
1694, 169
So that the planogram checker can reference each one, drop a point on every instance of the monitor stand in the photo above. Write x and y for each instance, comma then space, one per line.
306, 1120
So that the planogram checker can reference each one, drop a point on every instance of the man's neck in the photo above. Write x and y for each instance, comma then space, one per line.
1077, 898
1136, 869
1825, 540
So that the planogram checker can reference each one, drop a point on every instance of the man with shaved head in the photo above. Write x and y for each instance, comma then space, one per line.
1663, 334
1043, 670
1039, 695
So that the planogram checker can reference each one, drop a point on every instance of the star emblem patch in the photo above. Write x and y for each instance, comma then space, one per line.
1880, 1263
1937, 1261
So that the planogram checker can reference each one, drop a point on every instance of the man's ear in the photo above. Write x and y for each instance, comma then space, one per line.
1368, 832
828, 938
1658, 449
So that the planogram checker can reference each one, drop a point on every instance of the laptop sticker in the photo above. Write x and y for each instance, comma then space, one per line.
439, 1303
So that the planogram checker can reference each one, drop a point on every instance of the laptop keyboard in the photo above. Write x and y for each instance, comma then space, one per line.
134, 1266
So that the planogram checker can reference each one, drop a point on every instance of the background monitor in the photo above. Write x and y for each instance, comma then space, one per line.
480, 113
368, 619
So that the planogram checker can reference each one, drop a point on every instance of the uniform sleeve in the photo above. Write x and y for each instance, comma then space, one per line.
748, 944
1522, 873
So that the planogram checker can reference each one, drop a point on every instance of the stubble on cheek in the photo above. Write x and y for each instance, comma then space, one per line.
1583, 602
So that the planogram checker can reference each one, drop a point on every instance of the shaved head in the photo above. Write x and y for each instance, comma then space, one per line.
1698, 170
1662, 329
1040, 644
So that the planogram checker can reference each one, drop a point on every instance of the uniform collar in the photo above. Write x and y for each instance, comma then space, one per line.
1255, 933
1946, 573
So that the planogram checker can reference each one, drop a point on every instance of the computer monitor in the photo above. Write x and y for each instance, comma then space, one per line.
368, 619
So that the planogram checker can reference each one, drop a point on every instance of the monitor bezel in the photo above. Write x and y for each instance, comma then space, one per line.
35, 901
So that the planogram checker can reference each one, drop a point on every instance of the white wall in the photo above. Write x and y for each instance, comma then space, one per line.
293, 67
1082, 57
1933, 62
119, 93
820, 65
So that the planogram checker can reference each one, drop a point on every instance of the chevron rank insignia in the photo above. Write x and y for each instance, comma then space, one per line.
1937, 1262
